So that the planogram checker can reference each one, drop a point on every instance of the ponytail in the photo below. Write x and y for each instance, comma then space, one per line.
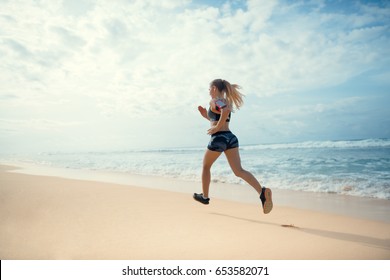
232, 93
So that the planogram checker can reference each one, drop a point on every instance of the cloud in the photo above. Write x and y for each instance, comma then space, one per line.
140, 60
68, 37
77, 8
18, 48
144, 43
36, 124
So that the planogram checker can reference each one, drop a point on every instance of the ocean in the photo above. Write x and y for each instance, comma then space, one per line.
356, 168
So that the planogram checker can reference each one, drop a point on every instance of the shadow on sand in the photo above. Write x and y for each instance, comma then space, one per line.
366, 240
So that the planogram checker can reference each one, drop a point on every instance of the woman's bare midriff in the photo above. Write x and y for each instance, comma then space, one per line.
225, 127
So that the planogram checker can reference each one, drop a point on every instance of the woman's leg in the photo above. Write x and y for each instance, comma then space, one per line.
233, 157
209, 158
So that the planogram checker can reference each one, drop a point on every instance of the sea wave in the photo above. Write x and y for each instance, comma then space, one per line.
337, 144
356, 167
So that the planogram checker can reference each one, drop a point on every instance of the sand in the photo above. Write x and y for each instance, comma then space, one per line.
51, 218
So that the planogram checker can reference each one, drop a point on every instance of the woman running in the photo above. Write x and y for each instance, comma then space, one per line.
224, 98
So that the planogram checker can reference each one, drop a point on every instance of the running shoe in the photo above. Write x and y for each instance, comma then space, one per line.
266, 200
201, 199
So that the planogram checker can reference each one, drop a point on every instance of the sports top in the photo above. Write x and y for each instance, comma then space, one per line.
214, 117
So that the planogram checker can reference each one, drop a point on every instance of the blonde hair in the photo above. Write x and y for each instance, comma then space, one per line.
232, 93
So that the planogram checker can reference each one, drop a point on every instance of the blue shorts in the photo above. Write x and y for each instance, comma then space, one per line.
222, 141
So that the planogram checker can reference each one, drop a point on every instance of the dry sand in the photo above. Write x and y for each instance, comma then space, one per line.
44, 217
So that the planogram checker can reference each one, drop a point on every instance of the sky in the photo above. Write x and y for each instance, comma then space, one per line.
86, 75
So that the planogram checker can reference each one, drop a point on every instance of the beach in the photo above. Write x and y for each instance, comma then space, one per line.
52, 218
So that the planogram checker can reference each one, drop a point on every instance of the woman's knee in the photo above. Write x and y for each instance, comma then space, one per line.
239, 172
206, 167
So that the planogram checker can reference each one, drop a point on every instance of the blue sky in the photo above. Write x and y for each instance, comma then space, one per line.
116, 75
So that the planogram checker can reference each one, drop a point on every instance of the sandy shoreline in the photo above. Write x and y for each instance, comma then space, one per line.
356, 207
46, 217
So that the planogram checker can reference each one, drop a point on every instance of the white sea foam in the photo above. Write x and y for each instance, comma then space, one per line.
358, 168
363, 143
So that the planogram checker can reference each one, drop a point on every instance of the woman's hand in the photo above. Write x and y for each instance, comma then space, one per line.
203, 112
212, 130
